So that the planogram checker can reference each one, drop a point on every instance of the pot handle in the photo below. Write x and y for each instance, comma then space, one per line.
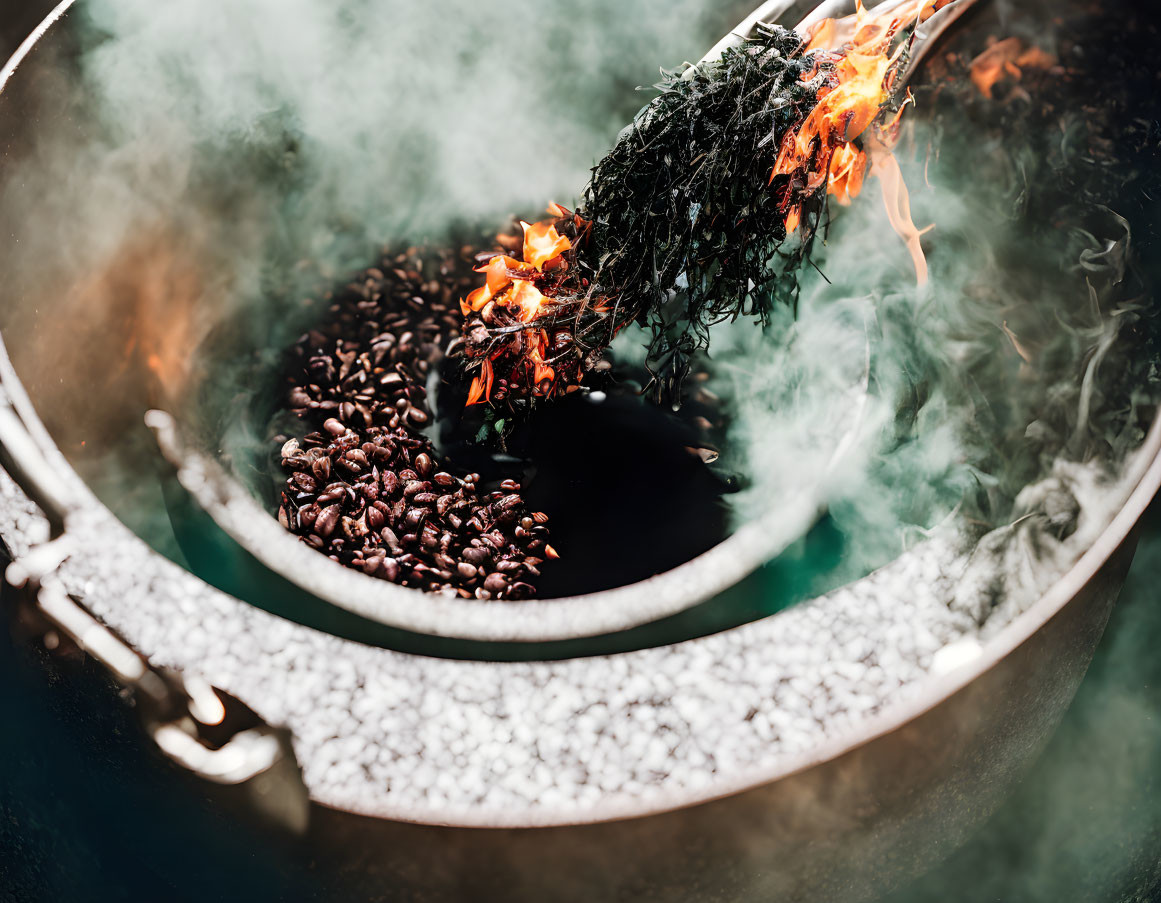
201, 728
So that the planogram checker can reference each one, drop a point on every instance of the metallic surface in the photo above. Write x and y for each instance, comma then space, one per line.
873, 800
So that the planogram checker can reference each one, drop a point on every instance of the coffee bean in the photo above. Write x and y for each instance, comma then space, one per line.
495, 583
304, 482
333, 493
475, 556
328, 519
360, 383
321, 468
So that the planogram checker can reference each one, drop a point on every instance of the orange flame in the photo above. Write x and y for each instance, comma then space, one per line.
543, 243
856, 52
856, 63
511, 283
1007, 59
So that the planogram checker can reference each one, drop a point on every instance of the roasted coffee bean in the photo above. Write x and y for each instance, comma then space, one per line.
328, 519
307, 516
332, 495
304, 482
495, 583
475, 556
359, 383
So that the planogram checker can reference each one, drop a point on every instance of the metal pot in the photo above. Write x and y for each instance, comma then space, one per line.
636, 774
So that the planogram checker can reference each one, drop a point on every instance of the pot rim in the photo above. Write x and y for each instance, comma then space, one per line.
936, 689
1143, 475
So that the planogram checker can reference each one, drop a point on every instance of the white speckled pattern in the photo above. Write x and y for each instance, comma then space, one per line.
391, 734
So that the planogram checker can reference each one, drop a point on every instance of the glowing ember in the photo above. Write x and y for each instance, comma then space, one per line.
1007, 60
860, 73
518, 293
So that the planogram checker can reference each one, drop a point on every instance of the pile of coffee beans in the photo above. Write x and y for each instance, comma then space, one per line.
365, 485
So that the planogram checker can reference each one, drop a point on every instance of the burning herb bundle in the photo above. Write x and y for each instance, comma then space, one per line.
685, 222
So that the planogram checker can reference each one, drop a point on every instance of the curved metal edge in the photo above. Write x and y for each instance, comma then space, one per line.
570, 617
1146, 476
546, 620
26, 46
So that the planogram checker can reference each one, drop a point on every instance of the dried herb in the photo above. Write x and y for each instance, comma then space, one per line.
684, 223
685, 230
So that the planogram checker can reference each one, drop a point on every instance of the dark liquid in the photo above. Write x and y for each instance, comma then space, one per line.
626, 496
